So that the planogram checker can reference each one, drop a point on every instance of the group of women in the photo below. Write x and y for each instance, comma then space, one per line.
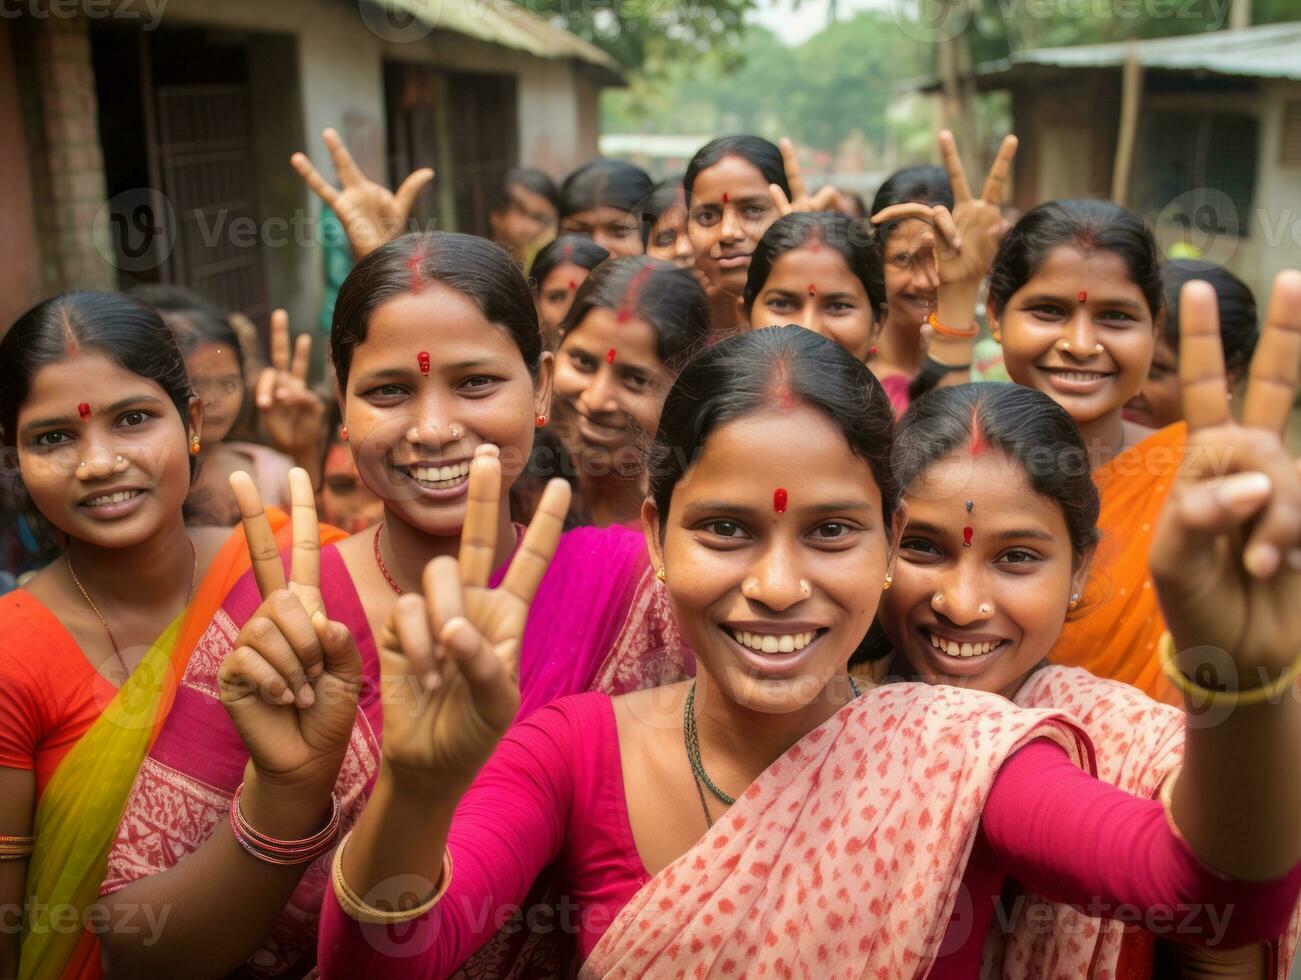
814, 658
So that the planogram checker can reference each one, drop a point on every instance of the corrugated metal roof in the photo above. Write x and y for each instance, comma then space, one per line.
1268, 51
508, 24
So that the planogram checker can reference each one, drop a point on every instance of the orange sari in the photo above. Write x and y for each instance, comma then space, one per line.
1121, 621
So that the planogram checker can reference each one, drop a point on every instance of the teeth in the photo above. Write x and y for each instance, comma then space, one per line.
773, 642
440, 477
112, 498
1079, 375
954, 649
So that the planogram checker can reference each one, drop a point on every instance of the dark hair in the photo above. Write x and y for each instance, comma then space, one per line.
1022, 423
854, 241
1238, 324
670, 299
603, 183
740, 376
666, 195
755, 150
191, 318
1087, 225
533, 181
578, 249
124, 329
922, 185
475, 267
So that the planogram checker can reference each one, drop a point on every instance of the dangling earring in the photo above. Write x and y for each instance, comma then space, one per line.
194, 444
343, 433
889, 581
661, 575
997, 334
540, 421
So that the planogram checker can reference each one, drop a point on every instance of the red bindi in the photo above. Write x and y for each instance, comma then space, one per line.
572, 285
813, 290
779, 500
1082, 296
966, 537
422, 359
725, 197
84, 411
609, 356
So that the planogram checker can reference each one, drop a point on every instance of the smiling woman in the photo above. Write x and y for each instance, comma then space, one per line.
95, 401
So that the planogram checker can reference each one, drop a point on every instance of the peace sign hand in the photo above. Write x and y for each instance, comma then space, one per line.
969, 236
370, 212
1226, 558
292, 413
825, 199
291, 684
450, 658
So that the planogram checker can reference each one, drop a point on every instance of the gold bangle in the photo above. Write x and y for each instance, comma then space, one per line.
358, 910
16, 848
1254, 695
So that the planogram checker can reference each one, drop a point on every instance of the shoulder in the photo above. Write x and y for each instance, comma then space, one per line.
606, 542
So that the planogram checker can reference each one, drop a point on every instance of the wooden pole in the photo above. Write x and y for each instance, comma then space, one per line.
1131, 93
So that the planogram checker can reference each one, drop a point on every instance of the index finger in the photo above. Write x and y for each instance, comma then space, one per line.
261, 540
312, 177
1272, 382
901, 212
953, 164
996, 181
280, 340
344, 165
479, 533
780, 200
302, 356
539, 544
305, 556
794, 176
1203, 389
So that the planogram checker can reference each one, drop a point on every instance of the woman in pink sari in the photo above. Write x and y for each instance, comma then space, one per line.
809, 831
437, 353
982, 612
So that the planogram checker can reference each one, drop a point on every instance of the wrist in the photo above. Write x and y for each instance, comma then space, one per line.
405, 783
287, 809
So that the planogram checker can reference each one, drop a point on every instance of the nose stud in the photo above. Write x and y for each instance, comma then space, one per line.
937, 599
985, 609
806, 589
1065, 347
455, 431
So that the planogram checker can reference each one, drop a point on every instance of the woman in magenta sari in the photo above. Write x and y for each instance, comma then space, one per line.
811, 829
1009, 463
437, 352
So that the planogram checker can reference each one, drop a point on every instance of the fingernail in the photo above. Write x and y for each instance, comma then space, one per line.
1244, 488
306, 696
319, 620
430, 680
286, 696
1262, 560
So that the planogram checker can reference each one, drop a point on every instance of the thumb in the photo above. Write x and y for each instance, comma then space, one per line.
492, 685
338, 648
411, 187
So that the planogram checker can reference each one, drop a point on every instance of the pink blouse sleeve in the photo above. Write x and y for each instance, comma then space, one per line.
508, 827
1074, 839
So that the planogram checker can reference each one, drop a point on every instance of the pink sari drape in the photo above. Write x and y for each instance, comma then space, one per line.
599, 618
861, 831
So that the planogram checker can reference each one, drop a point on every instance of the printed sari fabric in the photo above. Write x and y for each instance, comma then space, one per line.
86, 742
861, 833
1120, 623
599, 617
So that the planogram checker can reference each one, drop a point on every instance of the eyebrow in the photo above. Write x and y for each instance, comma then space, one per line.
731, 507
797, 292
117, 406
384, 374
1121, 302
1012, 534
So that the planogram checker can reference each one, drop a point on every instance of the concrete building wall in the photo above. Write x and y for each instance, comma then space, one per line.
20, 255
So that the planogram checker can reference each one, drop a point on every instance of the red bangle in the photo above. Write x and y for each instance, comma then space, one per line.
283, 852
944, 331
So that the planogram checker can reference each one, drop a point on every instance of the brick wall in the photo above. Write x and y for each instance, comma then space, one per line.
67, 166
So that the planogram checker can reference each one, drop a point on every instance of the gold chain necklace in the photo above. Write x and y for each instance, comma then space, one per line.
126, 671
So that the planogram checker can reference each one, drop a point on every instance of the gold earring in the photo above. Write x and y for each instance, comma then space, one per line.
661, 575
194, 444
997, 334
889, 581
1075, 601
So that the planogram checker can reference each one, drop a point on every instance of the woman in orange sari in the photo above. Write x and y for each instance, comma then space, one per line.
91, 648
981, 613
1075, 298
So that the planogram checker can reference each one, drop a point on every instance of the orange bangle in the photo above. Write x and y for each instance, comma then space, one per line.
944, 331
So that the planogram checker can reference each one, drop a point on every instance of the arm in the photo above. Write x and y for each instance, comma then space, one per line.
17, 804
1072, 838
510, 825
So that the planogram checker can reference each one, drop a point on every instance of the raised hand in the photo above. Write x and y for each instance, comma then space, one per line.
825, 199
370, 212
292, 413
969, 236
450, 658
291, 684
1226, 557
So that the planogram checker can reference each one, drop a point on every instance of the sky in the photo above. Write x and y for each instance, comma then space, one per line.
794, 26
